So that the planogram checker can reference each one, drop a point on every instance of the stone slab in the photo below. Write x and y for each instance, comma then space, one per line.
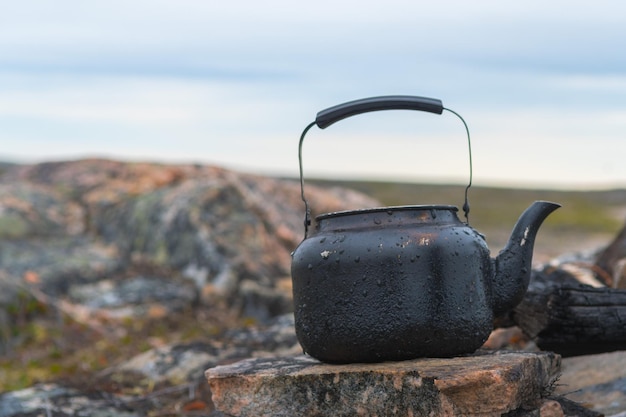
597, 381
478, 385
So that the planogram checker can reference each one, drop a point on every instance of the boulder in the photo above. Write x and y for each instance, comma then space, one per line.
67, 226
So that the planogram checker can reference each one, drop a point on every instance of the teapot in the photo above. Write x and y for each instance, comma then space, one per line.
403, 282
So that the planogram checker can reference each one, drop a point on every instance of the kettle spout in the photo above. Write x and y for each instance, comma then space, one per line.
513, 264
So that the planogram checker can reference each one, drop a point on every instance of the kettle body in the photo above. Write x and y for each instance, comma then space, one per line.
392, 283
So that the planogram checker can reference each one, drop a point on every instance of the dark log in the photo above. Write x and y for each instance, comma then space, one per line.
562, 313
570, 318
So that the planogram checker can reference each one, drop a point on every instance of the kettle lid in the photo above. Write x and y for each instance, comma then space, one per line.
388, 210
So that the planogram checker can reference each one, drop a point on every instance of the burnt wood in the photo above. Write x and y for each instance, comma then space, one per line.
570, 318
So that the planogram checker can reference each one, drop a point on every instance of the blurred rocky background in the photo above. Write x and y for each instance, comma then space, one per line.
121, 283
101, 261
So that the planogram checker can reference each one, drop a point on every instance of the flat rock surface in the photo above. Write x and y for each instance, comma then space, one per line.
478, 385
596, 381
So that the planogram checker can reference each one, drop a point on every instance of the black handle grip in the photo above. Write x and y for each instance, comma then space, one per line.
336, 113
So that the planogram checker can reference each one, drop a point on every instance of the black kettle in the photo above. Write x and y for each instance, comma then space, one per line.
397, 283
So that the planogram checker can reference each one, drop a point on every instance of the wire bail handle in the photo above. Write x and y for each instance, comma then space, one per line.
336, 113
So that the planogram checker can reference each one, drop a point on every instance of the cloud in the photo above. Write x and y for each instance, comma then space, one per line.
234, 80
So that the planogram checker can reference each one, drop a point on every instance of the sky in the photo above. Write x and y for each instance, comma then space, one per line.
541, 85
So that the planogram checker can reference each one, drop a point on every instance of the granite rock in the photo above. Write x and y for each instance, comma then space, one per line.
597, 381
166, 380
477, 385
56, 400
66, 226
186, 362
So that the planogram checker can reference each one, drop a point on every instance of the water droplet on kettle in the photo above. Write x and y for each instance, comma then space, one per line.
377, 221
310, 266
357, 259
364, 293
322, 240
